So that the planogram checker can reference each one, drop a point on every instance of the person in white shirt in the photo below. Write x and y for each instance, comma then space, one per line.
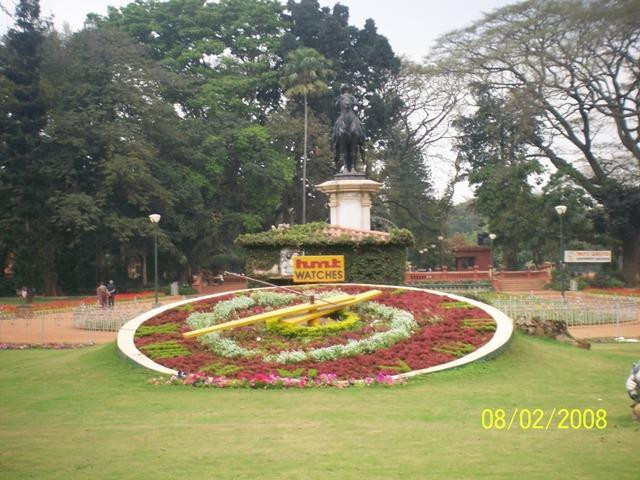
633, 388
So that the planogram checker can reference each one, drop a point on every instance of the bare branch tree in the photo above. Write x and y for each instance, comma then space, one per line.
577, 62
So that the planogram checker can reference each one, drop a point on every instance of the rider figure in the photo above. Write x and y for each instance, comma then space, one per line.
346, 102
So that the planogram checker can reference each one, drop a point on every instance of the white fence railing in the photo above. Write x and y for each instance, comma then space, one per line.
575, 312
105, 319
82, 324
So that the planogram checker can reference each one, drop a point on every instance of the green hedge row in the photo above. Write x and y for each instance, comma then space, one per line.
367, 260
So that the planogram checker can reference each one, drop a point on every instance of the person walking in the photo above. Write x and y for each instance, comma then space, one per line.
103, 295
111, 289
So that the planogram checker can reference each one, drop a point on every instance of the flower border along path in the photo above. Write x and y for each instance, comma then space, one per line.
500, 338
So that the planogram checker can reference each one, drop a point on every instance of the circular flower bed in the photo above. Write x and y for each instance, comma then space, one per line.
400, 331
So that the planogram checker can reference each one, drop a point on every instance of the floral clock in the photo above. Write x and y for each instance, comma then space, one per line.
402, 331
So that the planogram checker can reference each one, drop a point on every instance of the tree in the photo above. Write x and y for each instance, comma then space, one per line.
426, 101
226, 55
575, 62
493, 143
305, 73
24, 169
407, 196
114, 171
287, 130
361, 58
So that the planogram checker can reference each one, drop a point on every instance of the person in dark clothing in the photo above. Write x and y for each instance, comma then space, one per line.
111, 288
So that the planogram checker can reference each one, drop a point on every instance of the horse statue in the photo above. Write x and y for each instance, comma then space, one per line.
347, 137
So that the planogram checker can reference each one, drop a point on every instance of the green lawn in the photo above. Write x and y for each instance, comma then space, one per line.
36, 299
87, 413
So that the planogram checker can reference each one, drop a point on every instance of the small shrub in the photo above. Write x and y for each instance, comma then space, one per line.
146, 330
604, 280
297, 373
480, 324
457, 349
399, 367
220, 369
351, 320
165, 350
449, 305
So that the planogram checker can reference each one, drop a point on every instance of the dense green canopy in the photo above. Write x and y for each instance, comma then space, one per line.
175, 108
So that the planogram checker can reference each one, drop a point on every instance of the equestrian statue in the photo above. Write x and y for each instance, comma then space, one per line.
348, 134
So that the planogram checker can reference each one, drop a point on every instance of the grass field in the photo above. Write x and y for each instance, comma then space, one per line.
20, 300
86, 413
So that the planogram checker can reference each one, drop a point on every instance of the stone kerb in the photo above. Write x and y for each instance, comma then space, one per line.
125, 340
500, 339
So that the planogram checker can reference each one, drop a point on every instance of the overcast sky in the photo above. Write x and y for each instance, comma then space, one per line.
412, 26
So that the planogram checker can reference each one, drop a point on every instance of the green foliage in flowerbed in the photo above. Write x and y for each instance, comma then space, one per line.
298, 373
449, 305
479, 324
146, 330
399, 367
457, 349
221, 369
367, 260
185, 308
348, 321
165, 350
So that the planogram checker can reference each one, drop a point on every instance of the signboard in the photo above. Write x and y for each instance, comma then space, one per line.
587, 256
318, 268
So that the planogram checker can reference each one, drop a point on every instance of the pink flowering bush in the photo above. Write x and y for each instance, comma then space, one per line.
263, 381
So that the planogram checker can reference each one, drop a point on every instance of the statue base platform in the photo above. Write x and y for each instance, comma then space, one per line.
350, 199
352, 175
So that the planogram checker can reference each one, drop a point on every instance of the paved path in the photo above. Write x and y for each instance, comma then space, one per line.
627, 329
58, 327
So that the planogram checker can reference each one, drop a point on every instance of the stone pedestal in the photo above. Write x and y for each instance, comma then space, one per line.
350, 200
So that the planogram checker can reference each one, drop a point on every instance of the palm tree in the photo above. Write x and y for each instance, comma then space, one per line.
304, 74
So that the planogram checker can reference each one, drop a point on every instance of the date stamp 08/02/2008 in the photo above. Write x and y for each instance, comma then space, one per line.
539, 419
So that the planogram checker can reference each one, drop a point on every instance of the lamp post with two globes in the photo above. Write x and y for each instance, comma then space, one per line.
492, 237
561, 210
155, 219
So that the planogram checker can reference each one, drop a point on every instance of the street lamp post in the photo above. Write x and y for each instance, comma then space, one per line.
441, 240
561, 210
424, 251
155, 219
492, 237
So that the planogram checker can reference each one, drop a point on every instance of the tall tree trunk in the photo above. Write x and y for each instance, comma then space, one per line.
145, 280
631, 258
304, 166
51, 287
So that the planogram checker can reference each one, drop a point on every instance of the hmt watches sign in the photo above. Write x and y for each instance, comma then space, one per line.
318, 268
